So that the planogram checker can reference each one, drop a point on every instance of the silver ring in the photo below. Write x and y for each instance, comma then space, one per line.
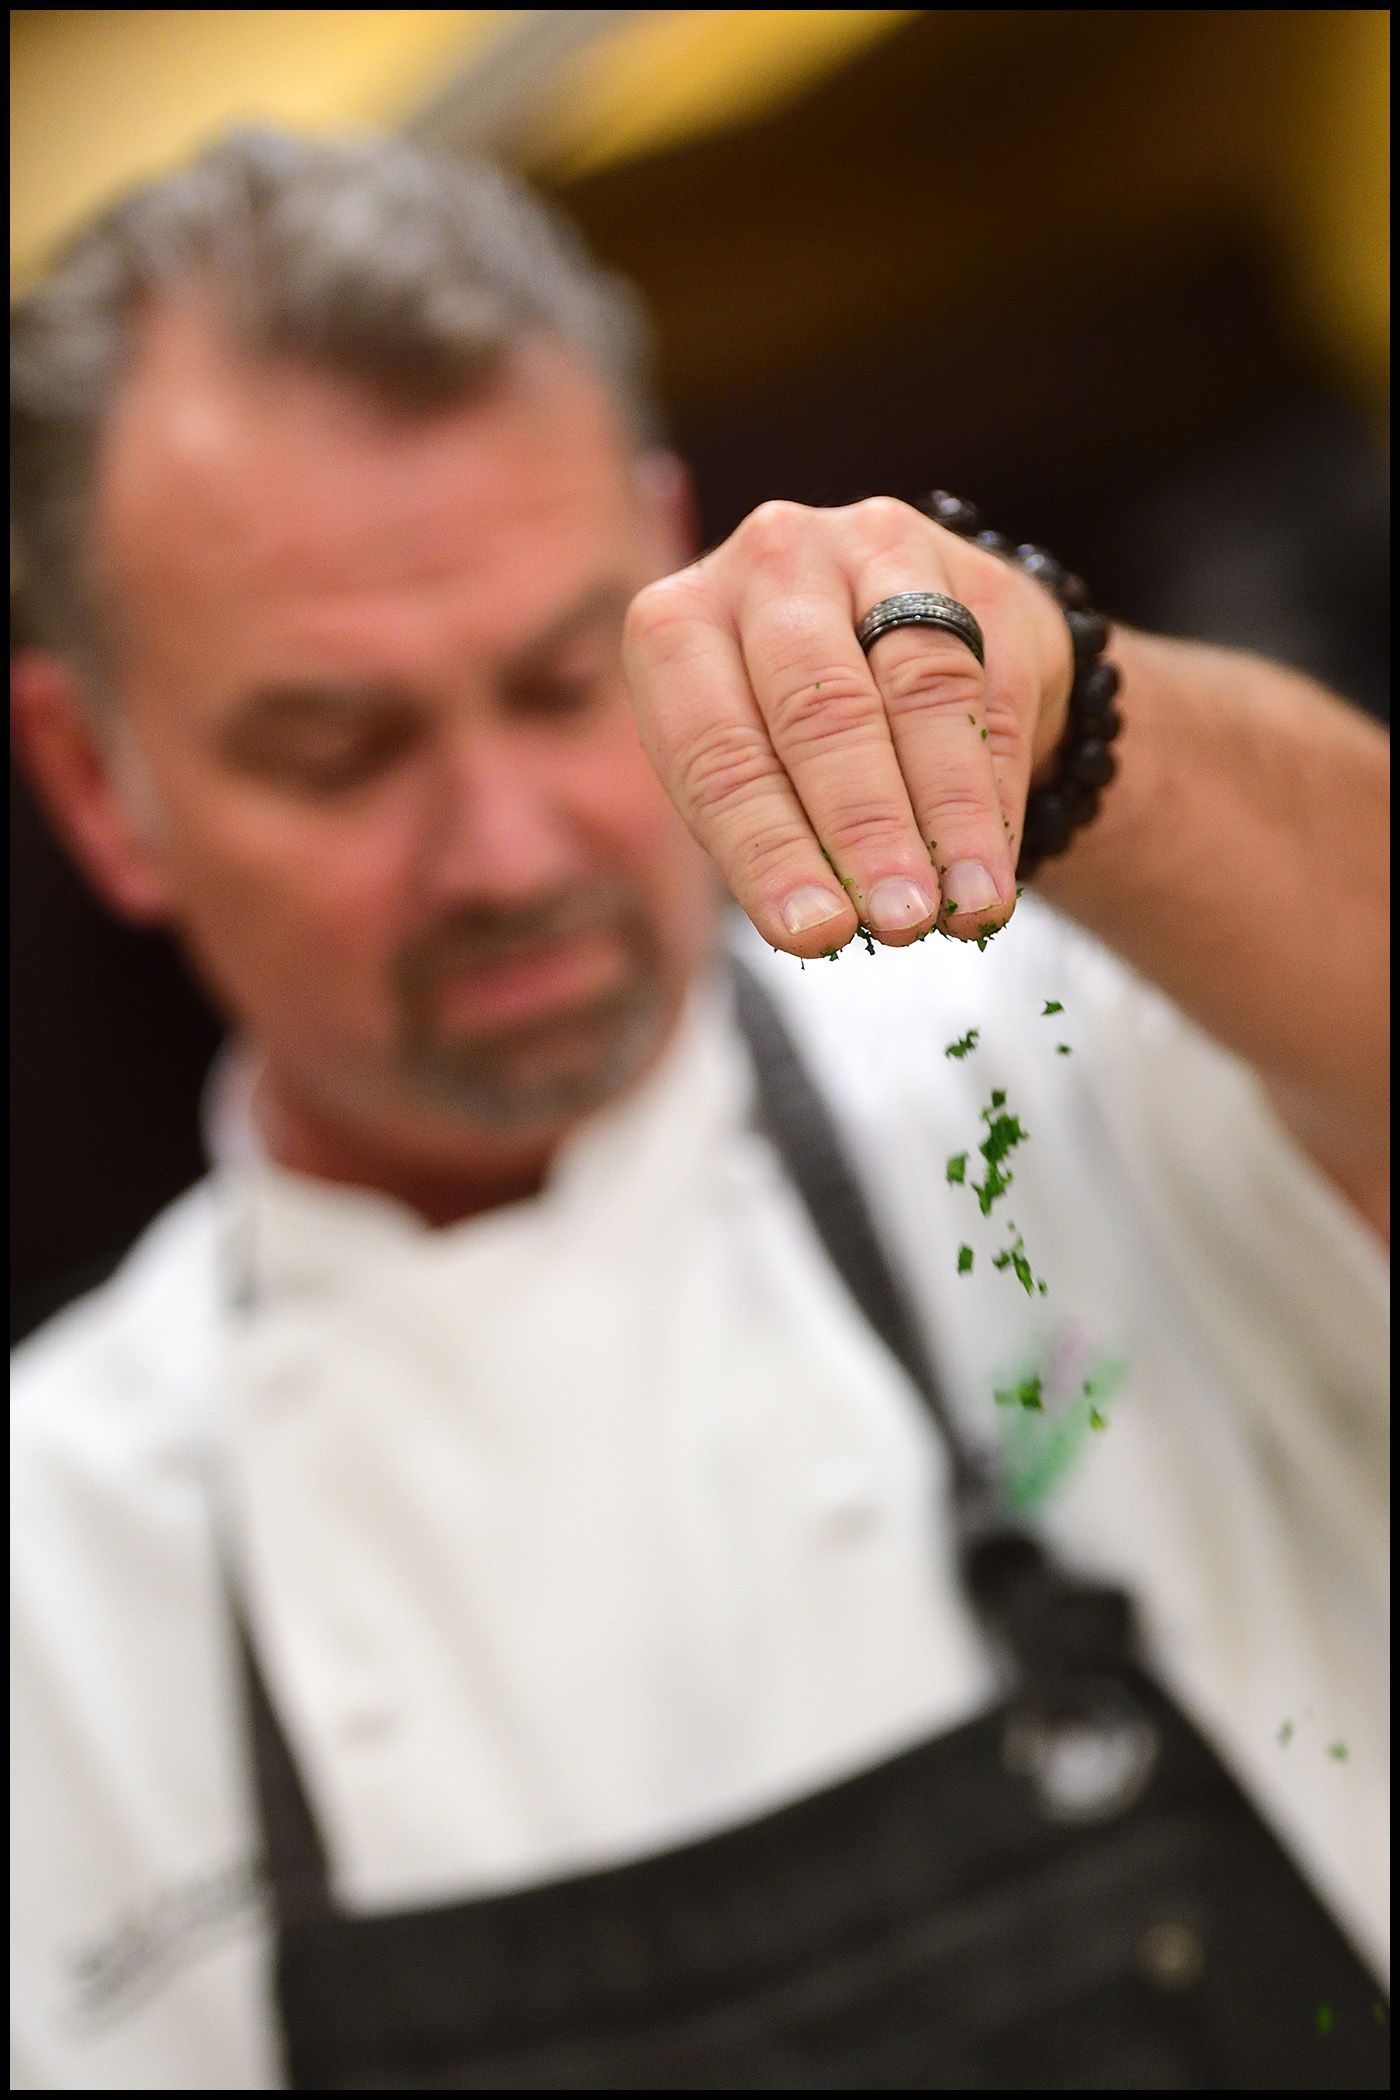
921, 609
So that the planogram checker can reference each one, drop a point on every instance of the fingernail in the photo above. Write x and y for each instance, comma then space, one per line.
897, 903
811, 907
969, 886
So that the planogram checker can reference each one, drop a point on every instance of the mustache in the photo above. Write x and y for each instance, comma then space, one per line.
475, 938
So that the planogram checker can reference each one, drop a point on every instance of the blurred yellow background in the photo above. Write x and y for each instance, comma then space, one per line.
1121, 276
1283, 114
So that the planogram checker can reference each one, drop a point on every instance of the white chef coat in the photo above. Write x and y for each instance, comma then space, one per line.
592, 1525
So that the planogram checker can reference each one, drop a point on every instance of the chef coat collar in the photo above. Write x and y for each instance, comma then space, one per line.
293, 1232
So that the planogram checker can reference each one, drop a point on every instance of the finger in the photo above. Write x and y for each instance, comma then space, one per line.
708, 742
827, 723
960, 734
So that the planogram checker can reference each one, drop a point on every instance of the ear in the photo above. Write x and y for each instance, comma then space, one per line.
667, 496
75, 772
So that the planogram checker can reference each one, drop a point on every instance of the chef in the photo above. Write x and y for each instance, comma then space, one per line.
695, 1499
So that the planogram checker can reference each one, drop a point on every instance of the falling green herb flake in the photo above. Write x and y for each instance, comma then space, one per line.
1096, 1420
1004, 1133
998, 1099
1338, 1752
1324, 2019
831, 954
964, 1261
1052, 1006
1062, 1050
964, 1045
957, 1167
1027, 1394
1014, 1258
973, 720
1285, 1735
863, 933
984, 736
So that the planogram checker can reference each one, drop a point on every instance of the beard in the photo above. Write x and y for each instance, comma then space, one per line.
541, 1073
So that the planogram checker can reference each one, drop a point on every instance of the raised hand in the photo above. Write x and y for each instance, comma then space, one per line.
832, 789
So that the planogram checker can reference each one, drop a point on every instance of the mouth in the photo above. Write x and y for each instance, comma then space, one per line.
531, 985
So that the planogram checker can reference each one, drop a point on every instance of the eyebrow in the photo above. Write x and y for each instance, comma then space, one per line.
288, 697
608, 601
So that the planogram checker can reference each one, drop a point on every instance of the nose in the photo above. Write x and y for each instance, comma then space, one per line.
498, 833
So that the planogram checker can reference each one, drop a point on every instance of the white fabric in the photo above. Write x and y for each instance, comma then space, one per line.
600, 1522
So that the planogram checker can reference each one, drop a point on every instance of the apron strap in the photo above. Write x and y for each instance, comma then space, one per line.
1055, 1627
295, 1864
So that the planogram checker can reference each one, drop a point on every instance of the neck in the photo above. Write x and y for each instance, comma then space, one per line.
444, 1177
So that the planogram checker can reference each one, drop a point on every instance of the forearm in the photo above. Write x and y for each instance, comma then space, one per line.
1240, 862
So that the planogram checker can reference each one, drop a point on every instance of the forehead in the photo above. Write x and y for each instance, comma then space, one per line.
243, 501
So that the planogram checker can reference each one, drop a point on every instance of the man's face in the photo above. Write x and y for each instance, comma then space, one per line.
369, 667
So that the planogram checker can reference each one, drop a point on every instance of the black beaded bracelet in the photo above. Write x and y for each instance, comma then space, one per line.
1084, 763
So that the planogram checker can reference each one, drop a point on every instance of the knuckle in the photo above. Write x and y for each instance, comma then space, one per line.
932, 678
771, 532
963, 809
725, 766
826, 706
870, 832
771, 859
658, 609
885, 521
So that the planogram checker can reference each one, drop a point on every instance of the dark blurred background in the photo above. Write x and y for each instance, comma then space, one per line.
1121, 277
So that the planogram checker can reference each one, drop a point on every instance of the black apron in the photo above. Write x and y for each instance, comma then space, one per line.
1069, 1891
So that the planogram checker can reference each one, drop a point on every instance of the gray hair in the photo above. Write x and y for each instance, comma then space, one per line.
407, 273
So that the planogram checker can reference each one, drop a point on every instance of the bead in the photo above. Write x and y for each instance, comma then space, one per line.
1048, 825
1088, 631
1094, 688
1110, 725
1091, 764
1074, 594
1081, 800
1034, 561
950, 511
995, 542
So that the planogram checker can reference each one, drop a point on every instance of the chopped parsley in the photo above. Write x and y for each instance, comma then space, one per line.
1096, 1420
1324, 2019
1338, 1751
1027, 1394
964, 1045
1004, 1134
863, 933
1285, 1735
1051, 1006
1062, 1050
964, 1260
957, 1167
1014, 1258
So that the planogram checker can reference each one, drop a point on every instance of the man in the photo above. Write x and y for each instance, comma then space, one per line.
494, 1382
